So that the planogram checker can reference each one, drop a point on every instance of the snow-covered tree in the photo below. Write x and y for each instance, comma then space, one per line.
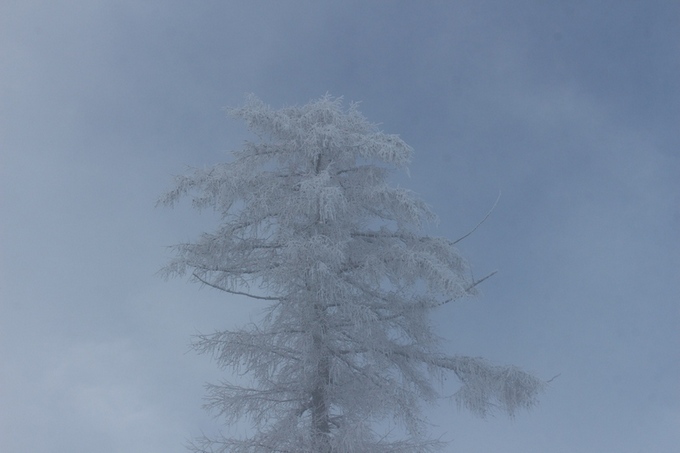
311, 228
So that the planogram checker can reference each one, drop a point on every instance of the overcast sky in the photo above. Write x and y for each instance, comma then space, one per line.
570, 109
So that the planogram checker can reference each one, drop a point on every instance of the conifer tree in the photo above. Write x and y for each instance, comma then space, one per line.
311, 228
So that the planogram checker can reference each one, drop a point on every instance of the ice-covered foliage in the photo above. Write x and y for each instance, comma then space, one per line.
311, 226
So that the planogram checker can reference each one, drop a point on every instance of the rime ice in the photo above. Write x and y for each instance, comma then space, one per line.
311, 225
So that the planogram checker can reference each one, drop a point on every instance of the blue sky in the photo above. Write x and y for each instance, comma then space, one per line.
570, 109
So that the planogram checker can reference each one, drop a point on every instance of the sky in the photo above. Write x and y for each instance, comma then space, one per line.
569, 109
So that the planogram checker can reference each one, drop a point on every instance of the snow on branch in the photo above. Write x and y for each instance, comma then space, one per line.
487, 387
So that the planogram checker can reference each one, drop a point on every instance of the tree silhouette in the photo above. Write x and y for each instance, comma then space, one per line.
311, 227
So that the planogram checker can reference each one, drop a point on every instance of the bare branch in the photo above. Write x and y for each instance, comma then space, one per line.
237, 293
553, 378
483, 220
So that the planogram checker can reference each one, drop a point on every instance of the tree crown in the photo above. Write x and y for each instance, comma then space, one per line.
311, 225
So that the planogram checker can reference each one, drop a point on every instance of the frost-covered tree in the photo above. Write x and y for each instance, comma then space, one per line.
311, 228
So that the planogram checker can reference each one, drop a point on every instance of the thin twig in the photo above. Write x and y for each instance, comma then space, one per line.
553, 378
483, 220
237, 293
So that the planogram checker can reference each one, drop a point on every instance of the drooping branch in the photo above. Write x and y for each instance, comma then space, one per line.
485, 386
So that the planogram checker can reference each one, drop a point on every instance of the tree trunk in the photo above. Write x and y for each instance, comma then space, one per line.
320, 409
